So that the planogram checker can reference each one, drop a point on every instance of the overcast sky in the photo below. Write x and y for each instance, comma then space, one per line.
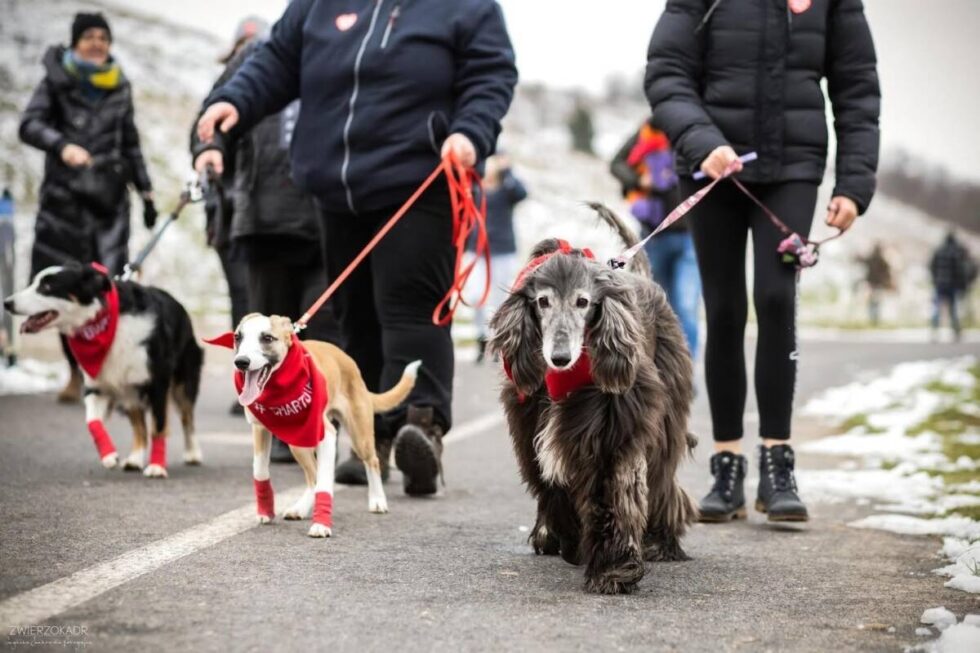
928, 52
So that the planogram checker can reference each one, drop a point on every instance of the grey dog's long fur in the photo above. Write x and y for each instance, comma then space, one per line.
619, 440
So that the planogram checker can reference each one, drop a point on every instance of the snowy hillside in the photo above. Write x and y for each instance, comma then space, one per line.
171, 68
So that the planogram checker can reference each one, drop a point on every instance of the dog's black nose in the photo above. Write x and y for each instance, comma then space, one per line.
561, 360
242, 363
8, 304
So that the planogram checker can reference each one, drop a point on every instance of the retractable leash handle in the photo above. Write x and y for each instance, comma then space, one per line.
190, 195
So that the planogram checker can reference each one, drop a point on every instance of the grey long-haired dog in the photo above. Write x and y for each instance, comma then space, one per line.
601, 461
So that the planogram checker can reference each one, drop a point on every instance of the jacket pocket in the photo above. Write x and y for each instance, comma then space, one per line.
437, 126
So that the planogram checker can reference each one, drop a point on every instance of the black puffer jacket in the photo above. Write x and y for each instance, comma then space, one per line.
57, 114
747, 73
265, 201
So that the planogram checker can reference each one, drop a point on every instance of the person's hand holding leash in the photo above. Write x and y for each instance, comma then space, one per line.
718, 161
224, 115
149, 211
209, 158
75, 156
462, 147
841, 212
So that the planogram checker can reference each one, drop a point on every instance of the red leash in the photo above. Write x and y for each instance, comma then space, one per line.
467, 217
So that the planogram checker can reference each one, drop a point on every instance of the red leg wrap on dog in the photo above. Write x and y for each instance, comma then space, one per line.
101, 438
265, 501
323, 509
158, 452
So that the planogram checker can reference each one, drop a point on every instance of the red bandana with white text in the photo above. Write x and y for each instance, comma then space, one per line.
91, 342
292, 403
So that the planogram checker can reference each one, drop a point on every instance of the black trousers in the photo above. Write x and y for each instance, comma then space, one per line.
276, 287
236, 274
720, 226
385, 307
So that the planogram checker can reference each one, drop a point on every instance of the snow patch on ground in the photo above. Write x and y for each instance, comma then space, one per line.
954, 525
964, 572
32, 377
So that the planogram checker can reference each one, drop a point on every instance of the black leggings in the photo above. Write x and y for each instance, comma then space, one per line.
385, 307
720, 226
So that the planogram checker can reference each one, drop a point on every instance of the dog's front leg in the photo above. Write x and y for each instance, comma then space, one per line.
159, 407
326, 455
261, 452
614, 522
96, 409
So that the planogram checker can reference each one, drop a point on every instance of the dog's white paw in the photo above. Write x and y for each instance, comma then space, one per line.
297, 512
193, 456
134, 461
155, 471
110, 460
264, 519
378, 505
319, 530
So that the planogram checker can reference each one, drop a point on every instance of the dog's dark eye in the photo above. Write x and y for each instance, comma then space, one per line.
543, 302
582, 302
268, 338
238, 337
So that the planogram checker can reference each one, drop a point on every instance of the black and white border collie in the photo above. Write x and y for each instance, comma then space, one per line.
152, 358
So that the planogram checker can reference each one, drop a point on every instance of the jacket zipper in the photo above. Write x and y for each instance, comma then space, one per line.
353, 102
391, 24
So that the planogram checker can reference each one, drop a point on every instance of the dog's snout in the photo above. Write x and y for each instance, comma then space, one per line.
242, 362
8, 304
561, 358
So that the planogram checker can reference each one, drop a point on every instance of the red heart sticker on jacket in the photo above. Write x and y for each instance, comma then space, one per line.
799, 6
346, 21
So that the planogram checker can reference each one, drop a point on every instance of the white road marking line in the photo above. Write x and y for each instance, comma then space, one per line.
42, 603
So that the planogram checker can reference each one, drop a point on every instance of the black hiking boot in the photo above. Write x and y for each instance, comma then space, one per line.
418, 451
352, 471
726, 501
778, 496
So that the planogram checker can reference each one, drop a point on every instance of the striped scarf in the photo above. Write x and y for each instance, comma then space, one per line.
95, 80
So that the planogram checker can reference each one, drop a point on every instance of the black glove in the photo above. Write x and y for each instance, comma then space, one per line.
149, 213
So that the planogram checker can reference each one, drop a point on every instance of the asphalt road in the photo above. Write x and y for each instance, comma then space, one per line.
168, 565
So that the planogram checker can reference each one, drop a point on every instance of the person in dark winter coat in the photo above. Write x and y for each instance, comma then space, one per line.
879, 279
81, 116
386, 88
953, 270
726, 78
504, 191
644, 166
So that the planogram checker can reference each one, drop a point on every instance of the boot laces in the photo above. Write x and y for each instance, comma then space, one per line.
725, 470
780, 472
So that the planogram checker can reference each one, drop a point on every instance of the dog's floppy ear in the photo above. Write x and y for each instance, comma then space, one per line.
282, 328
615, 338
516, 336
95, 282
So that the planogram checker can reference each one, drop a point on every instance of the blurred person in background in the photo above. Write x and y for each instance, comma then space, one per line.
878, 277
644, 167
953, 270
387, 88
81, 115
729, 78
504, 191
274, 232
7, 267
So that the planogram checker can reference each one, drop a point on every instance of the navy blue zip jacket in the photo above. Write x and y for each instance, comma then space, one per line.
383, 83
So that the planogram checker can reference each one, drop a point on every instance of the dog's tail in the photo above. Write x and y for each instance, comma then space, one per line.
640, 263
391, 399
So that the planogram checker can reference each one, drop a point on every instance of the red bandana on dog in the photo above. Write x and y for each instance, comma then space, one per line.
560, 383
90, 344
292, 402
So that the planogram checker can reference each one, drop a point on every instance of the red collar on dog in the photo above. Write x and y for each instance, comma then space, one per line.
90, 344
560, 383
292, 403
